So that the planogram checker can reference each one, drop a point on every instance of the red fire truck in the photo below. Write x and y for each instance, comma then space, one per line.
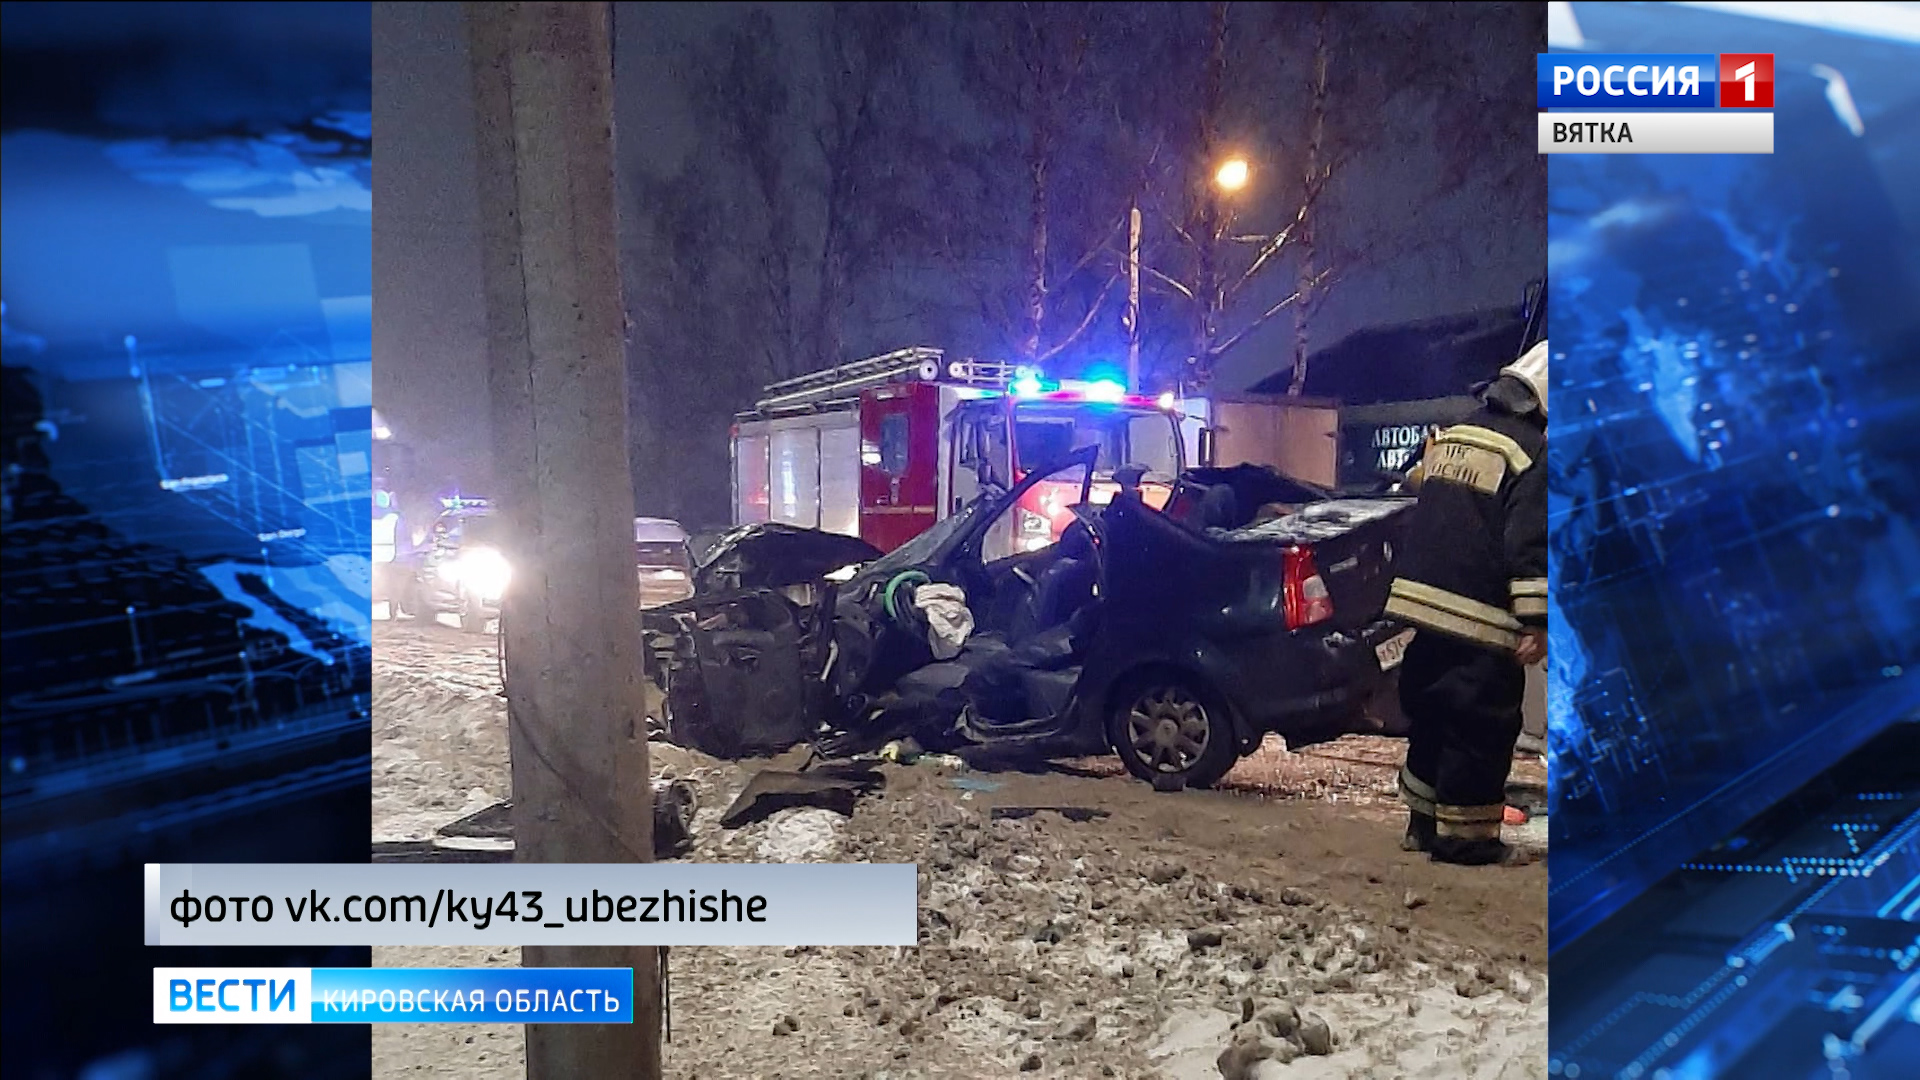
883, 448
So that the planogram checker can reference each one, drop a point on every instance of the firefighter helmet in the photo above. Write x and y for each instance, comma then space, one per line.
1531, 369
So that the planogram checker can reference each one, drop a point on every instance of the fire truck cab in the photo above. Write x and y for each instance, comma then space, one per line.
883, 448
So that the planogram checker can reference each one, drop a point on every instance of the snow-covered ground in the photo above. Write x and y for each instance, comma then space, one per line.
439, 729
1128, 945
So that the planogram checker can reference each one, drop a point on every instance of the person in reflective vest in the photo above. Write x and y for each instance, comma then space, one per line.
389, 539
1416, 468
1473, 582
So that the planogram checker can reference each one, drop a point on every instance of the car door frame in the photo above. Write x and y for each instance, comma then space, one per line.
969, 543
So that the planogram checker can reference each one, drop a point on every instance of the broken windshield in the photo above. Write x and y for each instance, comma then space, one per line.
922, 548
1046, 431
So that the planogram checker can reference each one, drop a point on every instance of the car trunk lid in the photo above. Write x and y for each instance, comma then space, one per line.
1354, 544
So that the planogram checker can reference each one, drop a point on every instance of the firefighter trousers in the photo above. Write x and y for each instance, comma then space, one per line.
1464, 707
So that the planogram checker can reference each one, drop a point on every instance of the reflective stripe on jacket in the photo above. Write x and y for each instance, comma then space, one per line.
1476, 561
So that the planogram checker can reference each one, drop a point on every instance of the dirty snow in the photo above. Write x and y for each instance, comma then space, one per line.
806, 835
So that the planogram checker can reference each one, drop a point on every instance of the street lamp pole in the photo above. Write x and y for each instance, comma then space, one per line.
1229, 179
1133, 297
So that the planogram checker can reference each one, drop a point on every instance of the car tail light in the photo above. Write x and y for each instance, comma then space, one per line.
1303, 591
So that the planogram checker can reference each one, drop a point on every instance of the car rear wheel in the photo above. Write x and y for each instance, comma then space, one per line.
406, 600
472, 615
1170, 733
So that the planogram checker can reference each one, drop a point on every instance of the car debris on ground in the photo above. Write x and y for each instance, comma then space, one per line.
834, 786
486, 835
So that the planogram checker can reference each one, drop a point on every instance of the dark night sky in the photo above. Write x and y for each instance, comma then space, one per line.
428, 322
428, 339
428, 327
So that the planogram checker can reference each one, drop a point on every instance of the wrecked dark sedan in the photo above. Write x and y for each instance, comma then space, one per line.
1176, 638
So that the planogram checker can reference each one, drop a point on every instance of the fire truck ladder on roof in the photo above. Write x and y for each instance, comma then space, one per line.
904, 365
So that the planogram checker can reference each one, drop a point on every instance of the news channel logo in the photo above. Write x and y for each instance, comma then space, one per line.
1655, 81
1655, 103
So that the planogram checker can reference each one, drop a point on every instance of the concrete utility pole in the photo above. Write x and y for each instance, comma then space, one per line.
543, 77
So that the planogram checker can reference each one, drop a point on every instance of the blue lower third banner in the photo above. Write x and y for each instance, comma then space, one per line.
392, 995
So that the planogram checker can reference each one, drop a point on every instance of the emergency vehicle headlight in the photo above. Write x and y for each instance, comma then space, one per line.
483, 570
1106, 390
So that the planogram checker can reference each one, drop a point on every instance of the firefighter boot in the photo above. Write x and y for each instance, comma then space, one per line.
1420, 832
1463, 852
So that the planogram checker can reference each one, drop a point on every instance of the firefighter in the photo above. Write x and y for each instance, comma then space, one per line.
1474, 584
1415, 471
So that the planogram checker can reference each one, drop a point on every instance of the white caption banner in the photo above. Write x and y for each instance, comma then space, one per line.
673, 904
1652, 132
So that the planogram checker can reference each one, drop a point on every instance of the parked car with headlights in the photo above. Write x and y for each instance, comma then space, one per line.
665, 564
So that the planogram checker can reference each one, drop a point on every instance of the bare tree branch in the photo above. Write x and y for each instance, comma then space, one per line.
1170, 283
1086, 321
1098, 249
1226, 345
1267, 251
1181, 232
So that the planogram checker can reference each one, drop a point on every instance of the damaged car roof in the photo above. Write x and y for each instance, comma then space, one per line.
1316, 522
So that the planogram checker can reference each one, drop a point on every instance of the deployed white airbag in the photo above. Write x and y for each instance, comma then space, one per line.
948, 621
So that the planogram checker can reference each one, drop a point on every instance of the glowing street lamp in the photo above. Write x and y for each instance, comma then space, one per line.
1233, 174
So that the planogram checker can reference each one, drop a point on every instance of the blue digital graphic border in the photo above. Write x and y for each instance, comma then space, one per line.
1735, 472
187, 349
